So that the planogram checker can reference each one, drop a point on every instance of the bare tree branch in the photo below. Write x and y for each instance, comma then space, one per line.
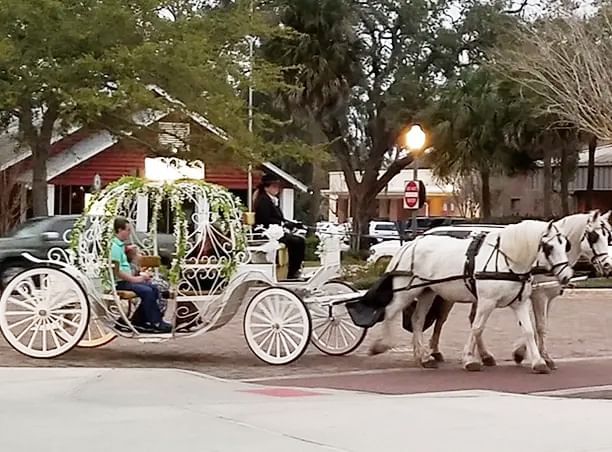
566, 61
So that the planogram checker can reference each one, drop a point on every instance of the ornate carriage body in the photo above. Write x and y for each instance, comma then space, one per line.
211, 265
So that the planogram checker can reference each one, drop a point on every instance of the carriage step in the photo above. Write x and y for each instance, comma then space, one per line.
153, 338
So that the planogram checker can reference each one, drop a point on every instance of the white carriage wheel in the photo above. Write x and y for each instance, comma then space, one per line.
43, 313
277, 326
96, 335
334, 333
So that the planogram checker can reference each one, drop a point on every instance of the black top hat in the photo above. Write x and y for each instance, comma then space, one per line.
269, 179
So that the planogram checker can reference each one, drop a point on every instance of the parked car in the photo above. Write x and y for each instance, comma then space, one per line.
387, 249
383, 230
388, 230
37, 236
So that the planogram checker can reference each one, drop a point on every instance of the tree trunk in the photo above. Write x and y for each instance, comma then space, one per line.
363, 210
40, 155
318, 181
591, 173
565, 176
485, 180
547, 190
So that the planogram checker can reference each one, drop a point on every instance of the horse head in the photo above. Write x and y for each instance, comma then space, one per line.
552, 253
595, 242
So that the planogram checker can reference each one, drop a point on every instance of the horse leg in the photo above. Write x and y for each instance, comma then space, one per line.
541, 310
521, 310
434, 343
541, 305
487, 358
422, 355
483, 310
400, 301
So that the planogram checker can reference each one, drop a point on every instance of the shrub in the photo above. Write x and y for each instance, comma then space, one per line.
312, 241
362, 275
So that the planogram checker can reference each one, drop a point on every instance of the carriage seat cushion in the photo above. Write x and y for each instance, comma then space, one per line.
126, 295
150, 262
259, 256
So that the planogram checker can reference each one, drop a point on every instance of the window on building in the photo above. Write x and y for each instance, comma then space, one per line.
174, 135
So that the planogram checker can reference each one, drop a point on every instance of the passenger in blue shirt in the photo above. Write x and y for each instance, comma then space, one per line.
147, 317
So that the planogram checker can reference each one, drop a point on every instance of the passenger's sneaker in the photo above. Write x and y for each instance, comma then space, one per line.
162, 327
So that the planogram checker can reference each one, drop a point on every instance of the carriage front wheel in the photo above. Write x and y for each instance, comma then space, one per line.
43, 312
333, 331
277, 326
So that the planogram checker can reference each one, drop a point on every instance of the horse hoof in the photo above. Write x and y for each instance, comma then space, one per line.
541, 368
489, 361
473, 366
438, 357
550, 364
429, 363
519, 355
377, 349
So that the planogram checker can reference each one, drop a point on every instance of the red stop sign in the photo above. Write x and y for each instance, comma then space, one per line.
411, 195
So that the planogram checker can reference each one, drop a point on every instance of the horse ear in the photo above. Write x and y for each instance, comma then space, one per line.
594, 215
606, 216
550, 225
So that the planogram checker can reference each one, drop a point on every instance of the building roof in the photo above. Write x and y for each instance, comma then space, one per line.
603, 156
12, 151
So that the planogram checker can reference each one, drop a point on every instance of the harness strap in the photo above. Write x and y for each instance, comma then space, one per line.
470, 262
503, 276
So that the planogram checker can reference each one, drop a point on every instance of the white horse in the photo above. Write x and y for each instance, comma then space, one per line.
499, 275
593, 244
588, 235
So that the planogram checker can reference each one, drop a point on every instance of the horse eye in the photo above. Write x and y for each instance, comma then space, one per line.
592, 237
547, 249
568, 247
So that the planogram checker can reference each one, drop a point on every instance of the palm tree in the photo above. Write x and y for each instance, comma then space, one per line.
481, 125
322, 63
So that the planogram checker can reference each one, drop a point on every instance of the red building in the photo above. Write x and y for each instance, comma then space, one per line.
82, 155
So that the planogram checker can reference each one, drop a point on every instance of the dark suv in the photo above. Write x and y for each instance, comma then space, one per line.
37, 236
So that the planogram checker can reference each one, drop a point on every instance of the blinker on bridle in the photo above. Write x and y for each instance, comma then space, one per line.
547, 249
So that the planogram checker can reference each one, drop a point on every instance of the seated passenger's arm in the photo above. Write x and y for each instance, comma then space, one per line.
119, 275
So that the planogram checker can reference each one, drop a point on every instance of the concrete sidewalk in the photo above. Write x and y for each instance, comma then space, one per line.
117, 410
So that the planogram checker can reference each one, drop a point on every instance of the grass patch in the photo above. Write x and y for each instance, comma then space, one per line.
595, 283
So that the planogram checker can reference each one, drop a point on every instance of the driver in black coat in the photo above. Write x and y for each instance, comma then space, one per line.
267, 212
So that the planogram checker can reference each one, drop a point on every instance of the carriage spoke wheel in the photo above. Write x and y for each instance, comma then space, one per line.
97, 335
333, 332
277, 326
43, 313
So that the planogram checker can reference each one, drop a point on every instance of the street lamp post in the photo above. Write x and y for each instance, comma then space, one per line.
415, 141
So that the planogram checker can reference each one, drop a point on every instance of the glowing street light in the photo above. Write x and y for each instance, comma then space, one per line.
415, 138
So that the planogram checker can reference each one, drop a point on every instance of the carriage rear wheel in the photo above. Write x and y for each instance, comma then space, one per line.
333, 331
277, 326
43, 313
97, 335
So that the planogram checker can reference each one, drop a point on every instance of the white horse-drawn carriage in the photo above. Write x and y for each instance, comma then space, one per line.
71, 299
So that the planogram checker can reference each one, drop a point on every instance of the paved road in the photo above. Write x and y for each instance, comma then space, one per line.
581, 327
97, 410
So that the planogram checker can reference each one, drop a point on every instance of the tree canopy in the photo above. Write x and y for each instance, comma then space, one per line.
92, 62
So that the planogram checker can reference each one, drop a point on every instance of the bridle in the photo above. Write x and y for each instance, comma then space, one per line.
547, 249
592, 237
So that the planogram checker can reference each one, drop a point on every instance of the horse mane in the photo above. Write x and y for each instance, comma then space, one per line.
573, 228
520, 241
